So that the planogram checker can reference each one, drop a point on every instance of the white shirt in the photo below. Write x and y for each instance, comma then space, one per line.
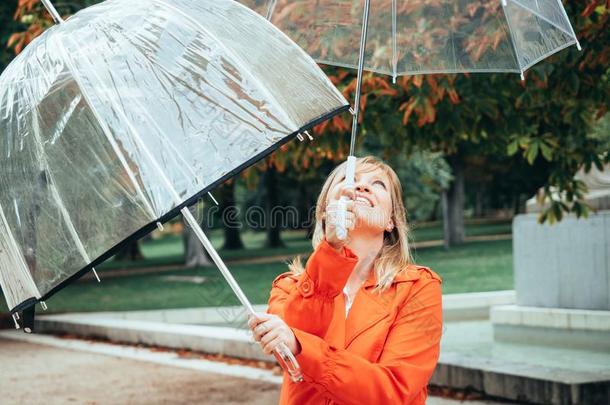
348, 302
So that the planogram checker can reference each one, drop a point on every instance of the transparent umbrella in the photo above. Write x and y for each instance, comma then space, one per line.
407, 37
119, 118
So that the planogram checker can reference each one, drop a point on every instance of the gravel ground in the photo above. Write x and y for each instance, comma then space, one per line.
36, 374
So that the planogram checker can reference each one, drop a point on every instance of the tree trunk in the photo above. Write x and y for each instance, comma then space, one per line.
478, 203
195, 254
434, 212
453, 204
230, 219
273, 222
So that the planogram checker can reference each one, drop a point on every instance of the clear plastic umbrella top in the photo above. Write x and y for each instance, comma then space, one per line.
425, 36
124, 114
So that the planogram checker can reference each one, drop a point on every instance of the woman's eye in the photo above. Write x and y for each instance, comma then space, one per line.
381, 183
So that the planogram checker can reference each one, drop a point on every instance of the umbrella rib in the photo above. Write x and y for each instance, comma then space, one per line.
104, 128
569, 23
537, 14
512, 40
235, 58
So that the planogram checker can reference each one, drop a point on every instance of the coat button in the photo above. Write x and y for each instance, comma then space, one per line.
306, 288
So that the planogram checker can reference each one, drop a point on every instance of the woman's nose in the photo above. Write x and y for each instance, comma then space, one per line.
362, 187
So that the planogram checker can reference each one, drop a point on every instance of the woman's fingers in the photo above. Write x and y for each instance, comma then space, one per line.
255, 320
333, 209
269, 336
350, 221
262, 329
347, 191
270, 347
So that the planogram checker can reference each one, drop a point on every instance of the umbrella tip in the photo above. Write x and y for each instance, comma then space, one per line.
160, 226
95, 274
15, 317
522, 77
578, 46
43, 305
213, 199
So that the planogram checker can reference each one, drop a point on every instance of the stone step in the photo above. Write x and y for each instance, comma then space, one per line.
561, 327
227, 341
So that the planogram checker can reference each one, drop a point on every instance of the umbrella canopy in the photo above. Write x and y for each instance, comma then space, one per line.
425, 36
126, 113
407, 37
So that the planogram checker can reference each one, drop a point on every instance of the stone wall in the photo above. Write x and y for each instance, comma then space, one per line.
566, 265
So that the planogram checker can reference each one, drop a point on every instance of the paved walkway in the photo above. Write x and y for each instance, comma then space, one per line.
38, 374
65, 371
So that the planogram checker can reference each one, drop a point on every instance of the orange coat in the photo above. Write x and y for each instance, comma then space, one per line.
384, 352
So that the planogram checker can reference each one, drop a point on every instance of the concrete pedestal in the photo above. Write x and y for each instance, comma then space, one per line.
566, 265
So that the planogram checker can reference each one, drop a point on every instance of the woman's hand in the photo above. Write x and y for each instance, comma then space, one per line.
331, 216
270, 330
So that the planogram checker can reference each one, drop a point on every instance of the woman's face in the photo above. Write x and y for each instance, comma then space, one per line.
372, 198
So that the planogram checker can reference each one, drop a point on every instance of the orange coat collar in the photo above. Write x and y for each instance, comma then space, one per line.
371, 307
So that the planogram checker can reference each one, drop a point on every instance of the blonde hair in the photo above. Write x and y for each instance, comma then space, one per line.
395, 255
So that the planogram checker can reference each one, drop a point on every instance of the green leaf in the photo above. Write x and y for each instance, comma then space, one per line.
532, 152
512, 148
547, 152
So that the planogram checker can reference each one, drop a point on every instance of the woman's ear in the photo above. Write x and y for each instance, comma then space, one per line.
390, 226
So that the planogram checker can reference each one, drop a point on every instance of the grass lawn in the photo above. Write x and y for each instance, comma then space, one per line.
170, 249
434, 231
477, 266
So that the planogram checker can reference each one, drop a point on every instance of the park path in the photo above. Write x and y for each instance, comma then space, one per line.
50, 373
38, 374
114, 273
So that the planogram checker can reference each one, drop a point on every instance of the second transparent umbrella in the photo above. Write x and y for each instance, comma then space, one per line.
408, 37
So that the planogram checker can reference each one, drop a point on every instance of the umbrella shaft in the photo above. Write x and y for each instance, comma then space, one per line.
216, 258
365, 26
51, 9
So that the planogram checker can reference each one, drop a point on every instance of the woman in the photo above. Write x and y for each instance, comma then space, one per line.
363, 321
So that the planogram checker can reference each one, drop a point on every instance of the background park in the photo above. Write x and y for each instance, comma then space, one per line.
470, 151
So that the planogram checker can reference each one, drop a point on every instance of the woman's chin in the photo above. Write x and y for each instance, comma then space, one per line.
368, 230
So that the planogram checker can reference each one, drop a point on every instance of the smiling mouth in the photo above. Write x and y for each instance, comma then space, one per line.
364, 201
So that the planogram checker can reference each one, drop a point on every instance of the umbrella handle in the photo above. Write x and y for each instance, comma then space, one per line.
288, 362
341, 225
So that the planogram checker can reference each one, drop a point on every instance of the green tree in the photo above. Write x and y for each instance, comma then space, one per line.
7, 27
